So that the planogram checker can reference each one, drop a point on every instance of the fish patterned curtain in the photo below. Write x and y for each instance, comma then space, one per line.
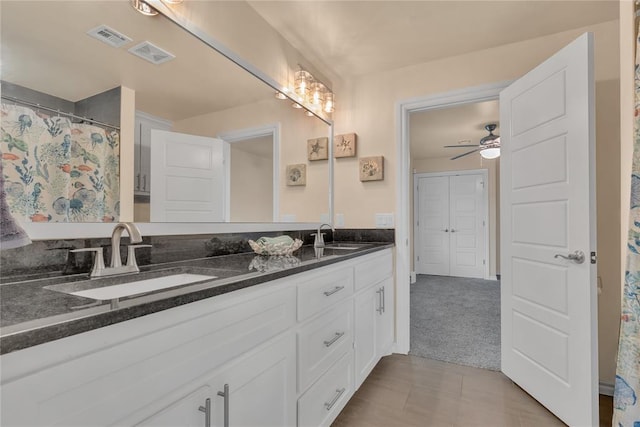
627, 387
56, 170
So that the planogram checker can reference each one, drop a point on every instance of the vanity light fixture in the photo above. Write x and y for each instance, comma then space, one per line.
144, 8
303, 81
309, 92
329, 105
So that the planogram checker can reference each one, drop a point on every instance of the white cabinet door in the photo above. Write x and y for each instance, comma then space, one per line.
186, 411
366, 313
385, 317
260, 388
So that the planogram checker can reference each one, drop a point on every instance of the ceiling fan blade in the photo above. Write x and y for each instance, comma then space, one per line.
456, 146
465, 154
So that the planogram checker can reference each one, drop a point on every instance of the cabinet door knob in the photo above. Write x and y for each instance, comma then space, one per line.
207, 412
225, 395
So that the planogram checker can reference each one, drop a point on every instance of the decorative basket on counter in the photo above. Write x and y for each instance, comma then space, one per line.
278, 246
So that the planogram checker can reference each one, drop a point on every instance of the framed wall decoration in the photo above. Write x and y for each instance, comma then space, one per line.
344, 145
318, 148
297, 174
372, 168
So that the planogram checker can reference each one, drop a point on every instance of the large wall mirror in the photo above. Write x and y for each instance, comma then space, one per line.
180, 90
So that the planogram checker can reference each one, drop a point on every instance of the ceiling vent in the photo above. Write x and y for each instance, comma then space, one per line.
152, 53
109, 36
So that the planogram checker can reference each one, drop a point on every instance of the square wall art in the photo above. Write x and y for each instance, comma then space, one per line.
372, 168
318, 148
297, 174
344, 145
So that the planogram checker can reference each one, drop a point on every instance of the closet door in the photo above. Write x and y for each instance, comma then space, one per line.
432, 225
467, 234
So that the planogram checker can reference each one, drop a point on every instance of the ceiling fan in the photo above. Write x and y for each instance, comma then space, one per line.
489, 146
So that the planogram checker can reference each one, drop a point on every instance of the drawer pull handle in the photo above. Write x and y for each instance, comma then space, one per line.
379, 309
333, 291
335, 338
339, 392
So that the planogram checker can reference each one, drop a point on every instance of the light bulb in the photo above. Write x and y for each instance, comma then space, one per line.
490, 153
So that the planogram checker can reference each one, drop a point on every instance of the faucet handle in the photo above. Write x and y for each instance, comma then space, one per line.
131, 254
98, 260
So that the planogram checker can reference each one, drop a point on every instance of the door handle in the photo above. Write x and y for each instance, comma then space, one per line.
446, 230
379, 309
339, 392
144, 182
453, 231
138, 186
577, 257
333, 291
225, 395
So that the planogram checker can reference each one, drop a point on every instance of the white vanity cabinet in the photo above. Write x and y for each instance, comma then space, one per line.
374, 313
144, 124
290, 352
258, 389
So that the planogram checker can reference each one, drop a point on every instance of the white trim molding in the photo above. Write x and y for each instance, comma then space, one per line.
469, 95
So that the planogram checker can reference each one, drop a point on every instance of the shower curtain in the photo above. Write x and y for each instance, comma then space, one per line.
627, 386
56, 170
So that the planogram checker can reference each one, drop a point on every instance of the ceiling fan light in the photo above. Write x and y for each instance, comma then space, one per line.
490, 153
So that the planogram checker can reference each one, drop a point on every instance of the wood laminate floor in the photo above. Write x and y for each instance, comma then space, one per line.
412, 391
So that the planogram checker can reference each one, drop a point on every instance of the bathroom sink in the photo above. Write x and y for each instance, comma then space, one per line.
344, 246
116, 287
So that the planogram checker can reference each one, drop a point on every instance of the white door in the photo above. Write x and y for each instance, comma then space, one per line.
549, 323
467, 247
432, 226
189, 179
451, 225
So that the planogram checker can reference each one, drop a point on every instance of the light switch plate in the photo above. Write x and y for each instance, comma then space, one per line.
339, 220
288, 218
384, 220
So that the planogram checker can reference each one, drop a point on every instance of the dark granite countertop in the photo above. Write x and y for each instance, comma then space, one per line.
31, 314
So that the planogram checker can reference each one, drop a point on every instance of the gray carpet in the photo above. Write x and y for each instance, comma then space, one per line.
456, 320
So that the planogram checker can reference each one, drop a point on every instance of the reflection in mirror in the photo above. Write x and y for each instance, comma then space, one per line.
187, 98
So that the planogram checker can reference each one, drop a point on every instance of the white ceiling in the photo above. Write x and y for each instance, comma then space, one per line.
45, 48
431, 130
352, 38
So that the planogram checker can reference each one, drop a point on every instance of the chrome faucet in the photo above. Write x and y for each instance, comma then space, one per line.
319, 240
116, 266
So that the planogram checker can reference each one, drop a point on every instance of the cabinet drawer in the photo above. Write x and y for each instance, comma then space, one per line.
374, 270
322, 341
320, 405
320, 291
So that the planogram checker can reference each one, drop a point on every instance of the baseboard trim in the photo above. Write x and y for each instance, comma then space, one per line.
492, 278
606, 389
414, 278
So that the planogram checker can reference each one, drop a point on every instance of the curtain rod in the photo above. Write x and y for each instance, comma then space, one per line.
38, 106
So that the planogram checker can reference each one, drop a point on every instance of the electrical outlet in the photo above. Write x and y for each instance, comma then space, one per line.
339, 220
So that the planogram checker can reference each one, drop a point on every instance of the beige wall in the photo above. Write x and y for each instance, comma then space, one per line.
368, 107
251, 189
308, 202
467, 163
